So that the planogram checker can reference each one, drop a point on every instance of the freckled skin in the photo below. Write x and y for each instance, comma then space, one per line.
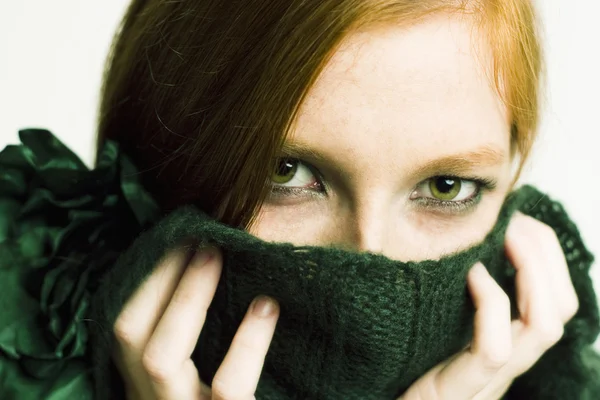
391, 99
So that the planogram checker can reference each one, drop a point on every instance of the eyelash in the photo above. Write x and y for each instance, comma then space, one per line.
431, 204
457, 206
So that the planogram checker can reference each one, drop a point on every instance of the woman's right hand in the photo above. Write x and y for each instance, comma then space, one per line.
159, 327
503, 349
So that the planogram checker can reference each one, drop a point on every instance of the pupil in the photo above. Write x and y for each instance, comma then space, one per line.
285, 167
445, 185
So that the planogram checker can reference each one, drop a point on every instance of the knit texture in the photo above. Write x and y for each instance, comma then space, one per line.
352, 325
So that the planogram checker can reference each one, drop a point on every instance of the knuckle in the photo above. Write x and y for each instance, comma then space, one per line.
249, 343
429, 388
498, 299
502, 300
183, 298
571, 305
124, 332
157, 369
224, 391
493, 358
549, 333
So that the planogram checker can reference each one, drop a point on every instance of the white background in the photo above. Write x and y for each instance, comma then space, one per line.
52, 56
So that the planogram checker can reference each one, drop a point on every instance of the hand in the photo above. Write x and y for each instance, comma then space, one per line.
502, 350
159, 326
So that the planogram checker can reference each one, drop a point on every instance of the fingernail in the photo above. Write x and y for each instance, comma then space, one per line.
202, 257
263, 306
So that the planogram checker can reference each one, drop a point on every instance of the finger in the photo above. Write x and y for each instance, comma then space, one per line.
141, 313
542, 240
492, 335
238, 375
543, 284
506, 375
535, 299
489, 351
540, 324
166, 358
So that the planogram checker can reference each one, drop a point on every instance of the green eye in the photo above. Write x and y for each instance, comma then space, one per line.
285, 170
445, 188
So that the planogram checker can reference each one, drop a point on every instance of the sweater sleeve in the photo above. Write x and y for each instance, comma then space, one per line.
571, 368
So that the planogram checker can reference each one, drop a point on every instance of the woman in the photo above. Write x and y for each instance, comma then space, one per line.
389, 127
396, 131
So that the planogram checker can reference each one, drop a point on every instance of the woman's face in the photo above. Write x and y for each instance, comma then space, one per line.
402, 147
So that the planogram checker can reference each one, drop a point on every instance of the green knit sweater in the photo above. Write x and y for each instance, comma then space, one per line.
75, 244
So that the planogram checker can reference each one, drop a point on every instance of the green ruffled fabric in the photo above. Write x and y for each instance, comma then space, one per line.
60, 226
75, 243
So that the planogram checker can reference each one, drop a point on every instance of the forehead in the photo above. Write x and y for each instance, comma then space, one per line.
416, 89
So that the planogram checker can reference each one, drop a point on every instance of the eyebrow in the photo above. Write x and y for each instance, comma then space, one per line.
485, 156
455, 164
302, 152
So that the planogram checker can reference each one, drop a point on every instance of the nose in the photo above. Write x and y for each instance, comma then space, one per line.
369, 228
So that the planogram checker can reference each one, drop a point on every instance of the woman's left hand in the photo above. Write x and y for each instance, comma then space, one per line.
502, 349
